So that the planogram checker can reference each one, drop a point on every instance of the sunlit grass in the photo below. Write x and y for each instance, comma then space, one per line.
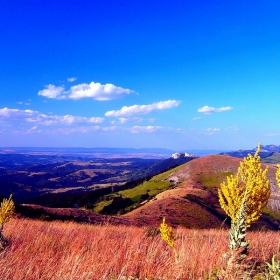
214, 179
154, 186
57, 250
101, 204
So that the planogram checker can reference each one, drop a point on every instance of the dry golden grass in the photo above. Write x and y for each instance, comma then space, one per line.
57, 250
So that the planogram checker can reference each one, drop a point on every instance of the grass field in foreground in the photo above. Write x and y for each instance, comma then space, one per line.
57, 250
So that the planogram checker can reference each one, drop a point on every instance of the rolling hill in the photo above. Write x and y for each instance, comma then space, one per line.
194, 203
186, 196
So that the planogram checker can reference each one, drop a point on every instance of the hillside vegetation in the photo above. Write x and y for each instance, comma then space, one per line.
272, 159
127, 200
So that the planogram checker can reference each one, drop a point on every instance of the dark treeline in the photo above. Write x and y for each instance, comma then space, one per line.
84, 199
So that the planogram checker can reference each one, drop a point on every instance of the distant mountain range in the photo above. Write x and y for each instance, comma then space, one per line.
265, 152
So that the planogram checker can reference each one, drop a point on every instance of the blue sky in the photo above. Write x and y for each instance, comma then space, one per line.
181, 75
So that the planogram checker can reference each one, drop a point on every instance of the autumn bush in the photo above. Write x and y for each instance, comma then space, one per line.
7, 209
67, 250
243, 196
251, 183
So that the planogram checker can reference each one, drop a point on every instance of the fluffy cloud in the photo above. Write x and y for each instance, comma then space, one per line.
36, 117
127, 111
51, 91
91, 90
210, 110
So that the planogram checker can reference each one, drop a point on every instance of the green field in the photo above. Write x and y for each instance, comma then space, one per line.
138, 194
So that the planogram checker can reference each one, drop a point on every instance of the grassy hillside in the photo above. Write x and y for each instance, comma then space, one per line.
109, 204
193, 201
272, 159
66, 250
146, 191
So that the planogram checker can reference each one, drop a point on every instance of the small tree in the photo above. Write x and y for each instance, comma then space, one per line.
242, 197
251, 180
7, 210
278, 174
167, 235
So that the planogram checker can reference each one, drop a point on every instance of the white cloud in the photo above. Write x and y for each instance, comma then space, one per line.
110, 128
123, 120
126, 120
33, 129
84, 129
142, 109
149, 129
93, 90
51, 91
72, 79
36, 117
210, 110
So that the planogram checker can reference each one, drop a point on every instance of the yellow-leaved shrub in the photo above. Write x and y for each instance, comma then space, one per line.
166, 233
278, 174
250, 181
7, 209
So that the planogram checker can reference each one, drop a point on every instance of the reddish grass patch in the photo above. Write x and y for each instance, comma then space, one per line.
57, 250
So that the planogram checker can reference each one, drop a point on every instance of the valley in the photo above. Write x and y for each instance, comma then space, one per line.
29, 174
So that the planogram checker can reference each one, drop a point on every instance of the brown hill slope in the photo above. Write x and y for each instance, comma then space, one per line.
193, 203
34, 211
